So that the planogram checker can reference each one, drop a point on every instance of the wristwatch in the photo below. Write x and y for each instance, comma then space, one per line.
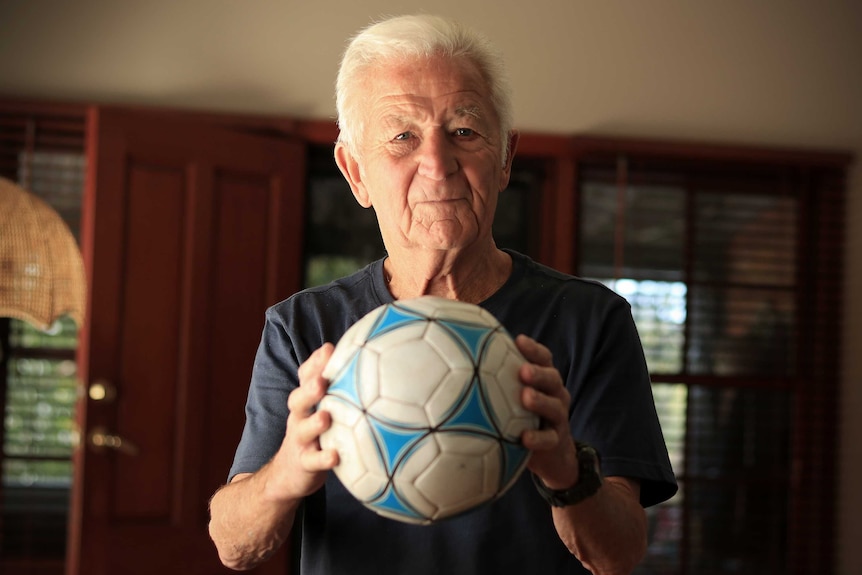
589, 480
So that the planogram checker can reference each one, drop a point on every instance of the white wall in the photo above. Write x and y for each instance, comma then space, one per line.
784, 72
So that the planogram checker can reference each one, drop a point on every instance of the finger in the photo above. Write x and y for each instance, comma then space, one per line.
311, 369
307, 430
312, 385
540, 439
306, 434
544, 379
533, 351
552, 410
318, 460
303, 399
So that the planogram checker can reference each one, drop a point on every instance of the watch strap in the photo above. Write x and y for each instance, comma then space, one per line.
589, 480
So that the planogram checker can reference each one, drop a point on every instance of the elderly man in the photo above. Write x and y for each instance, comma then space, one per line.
427, 141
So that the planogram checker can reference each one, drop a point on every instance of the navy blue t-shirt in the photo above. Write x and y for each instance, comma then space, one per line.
596, 348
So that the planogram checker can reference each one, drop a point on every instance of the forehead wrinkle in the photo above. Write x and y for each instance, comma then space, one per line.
398, 110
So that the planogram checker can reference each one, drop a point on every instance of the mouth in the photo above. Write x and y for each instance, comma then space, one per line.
443, 199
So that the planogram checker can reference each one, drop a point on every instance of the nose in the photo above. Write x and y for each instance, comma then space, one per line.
437, 158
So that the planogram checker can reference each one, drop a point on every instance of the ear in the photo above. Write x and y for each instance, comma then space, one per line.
506, 173
349, 167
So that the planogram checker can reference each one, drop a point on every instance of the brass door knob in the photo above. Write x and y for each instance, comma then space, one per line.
100, 440
102, 390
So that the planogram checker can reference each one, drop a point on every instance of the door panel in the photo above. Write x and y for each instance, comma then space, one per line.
190, 232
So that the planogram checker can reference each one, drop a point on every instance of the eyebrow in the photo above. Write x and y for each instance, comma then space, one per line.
472, 111
466, 111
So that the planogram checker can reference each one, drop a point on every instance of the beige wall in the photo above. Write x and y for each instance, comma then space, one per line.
771, 72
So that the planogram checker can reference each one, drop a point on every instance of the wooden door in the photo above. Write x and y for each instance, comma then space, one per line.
189, 233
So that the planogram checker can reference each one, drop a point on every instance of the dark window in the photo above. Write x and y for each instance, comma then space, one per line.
718, 260
44, 153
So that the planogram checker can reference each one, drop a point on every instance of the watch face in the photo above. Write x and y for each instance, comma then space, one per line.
588, 458
589, 480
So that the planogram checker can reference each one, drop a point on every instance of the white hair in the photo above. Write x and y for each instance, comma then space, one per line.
417, 36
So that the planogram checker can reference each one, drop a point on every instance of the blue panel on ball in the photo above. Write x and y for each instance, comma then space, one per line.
394, 442
471, 415
472, 337
392, 503
515, 455
393, 318
344, 385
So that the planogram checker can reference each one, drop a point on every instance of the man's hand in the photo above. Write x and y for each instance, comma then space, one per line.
253, 515
606, 532
554, 457
302, 462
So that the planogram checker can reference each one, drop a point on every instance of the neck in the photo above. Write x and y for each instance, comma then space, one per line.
464, 277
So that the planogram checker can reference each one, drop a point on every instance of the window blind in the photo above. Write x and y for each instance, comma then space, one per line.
728, 266
43, 150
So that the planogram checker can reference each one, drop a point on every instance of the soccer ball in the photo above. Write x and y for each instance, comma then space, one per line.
426, 412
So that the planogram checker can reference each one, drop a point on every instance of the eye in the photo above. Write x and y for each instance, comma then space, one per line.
464, 132
402, 136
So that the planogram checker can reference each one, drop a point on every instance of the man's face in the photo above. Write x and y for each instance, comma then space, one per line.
430, 157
